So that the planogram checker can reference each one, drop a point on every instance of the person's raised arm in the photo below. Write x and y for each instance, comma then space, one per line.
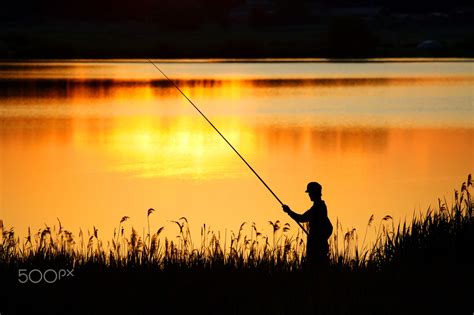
295, 216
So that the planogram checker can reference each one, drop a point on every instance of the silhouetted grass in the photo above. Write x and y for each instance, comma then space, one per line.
427, 262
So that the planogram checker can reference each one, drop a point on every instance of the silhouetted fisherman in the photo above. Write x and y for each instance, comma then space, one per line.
320, 228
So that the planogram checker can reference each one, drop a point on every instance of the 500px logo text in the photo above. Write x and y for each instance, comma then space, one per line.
48, 276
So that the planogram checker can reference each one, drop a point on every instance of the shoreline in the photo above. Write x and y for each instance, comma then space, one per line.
244, 60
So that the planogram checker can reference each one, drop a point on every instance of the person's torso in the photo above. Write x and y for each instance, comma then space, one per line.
318, 223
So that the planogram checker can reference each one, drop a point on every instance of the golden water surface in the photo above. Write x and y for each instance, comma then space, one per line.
91, 141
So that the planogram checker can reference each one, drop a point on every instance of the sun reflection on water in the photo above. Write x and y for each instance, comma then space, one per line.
177, 146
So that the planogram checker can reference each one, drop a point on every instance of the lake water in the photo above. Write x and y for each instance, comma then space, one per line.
91, 141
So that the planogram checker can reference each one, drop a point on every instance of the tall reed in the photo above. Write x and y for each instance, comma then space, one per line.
442, 235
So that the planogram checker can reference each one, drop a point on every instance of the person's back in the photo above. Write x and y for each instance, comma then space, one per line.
320, 228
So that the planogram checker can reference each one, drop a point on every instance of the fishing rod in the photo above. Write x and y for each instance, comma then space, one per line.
222, 136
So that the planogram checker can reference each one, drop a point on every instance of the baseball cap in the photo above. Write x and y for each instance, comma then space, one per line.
313, 186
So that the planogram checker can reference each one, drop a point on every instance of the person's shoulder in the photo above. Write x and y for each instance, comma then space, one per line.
320, 204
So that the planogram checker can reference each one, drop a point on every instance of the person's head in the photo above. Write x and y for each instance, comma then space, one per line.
314, 191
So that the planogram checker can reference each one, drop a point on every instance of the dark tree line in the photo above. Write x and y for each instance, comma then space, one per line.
190, 12
211, 28
159, 11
